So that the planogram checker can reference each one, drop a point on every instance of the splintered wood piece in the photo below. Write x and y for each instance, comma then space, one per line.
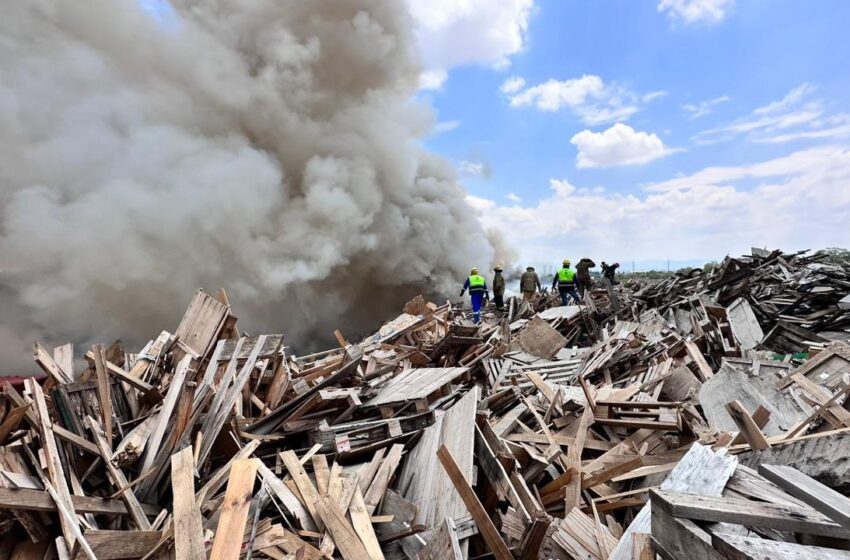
821, 497
188, 526
158, 432
234, 510
488, 531
747, 426
696, 355
344, 536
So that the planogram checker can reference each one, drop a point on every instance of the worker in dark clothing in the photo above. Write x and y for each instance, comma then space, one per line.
478, 293
529, 283
610, 271
498, 288
565, 281
583, 279
609, 278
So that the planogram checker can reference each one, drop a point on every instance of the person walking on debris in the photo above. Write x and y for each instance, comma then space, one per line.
498, 288
565, 280
583, 279
478, 293
529, 283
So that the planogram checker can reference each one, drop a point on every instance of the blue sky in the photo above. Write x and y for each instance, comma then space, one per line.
639, 99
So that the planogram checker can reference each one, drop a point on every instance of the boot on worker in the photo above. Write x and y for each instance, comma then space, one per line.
478, 293
565, 281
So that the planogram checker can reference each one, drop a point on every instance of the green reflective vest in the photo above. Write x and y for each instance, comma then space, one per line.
476, 283
565, 276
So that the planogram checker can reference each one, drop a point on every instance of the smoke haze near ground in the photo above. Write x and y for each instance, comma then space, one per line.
269, 147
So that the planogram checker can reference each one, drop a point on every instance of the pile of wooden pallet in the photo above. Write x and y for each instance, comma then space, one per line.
546, 432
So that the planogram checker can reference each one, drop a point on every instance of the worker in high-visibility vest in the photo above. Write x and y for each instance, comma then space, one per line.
565, 281
478, 293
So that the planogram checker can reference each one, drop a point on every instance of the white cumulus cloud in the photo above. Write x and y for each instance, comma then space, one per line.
513, 197
455, 33
710, 213
619, 145
692, 11
594, 101
471, 168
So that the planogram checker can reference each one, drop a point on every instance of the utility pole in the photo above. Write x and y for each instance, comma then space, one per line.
668, 265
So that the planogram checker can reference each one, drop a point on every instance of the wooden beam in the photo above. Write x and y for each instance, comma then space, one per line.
821, 497
788, 518
736, 547
486, 528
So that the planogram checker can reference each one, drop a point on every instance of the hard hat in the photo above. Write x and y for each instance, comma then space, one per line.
529, 268
566, 262
498, 268
474, 270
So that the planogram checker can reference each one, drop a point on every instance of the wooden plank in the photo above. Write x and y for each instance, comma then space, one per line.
572, 489
760, 416
362, 524
696, 355
286, 498
12, 421
486, 528
103, 392
37, 500
344, 536
64, 358
158, 433
782, 517
234, 510
118, 478
119, 545
55, 470
746, 425
379, 485
308, 492
819, 496
46, 362
736, 547
187, 523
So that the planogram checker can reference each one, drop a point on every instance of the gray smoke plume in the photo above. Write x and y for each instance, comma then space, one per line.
269, 147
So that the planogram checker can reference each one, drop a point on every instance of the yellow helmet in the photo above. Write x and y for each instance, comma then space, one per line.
474, 270
566, 262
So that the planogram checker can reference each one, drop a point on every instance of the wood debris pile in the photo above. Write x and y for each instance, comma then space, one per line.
545, 432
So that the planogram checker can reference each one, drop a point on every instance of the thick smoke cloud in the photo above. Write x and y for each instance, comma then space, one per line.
269, 147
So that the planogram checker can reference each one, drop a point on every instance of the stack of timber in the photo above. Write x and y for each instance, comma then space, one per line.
677, 422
